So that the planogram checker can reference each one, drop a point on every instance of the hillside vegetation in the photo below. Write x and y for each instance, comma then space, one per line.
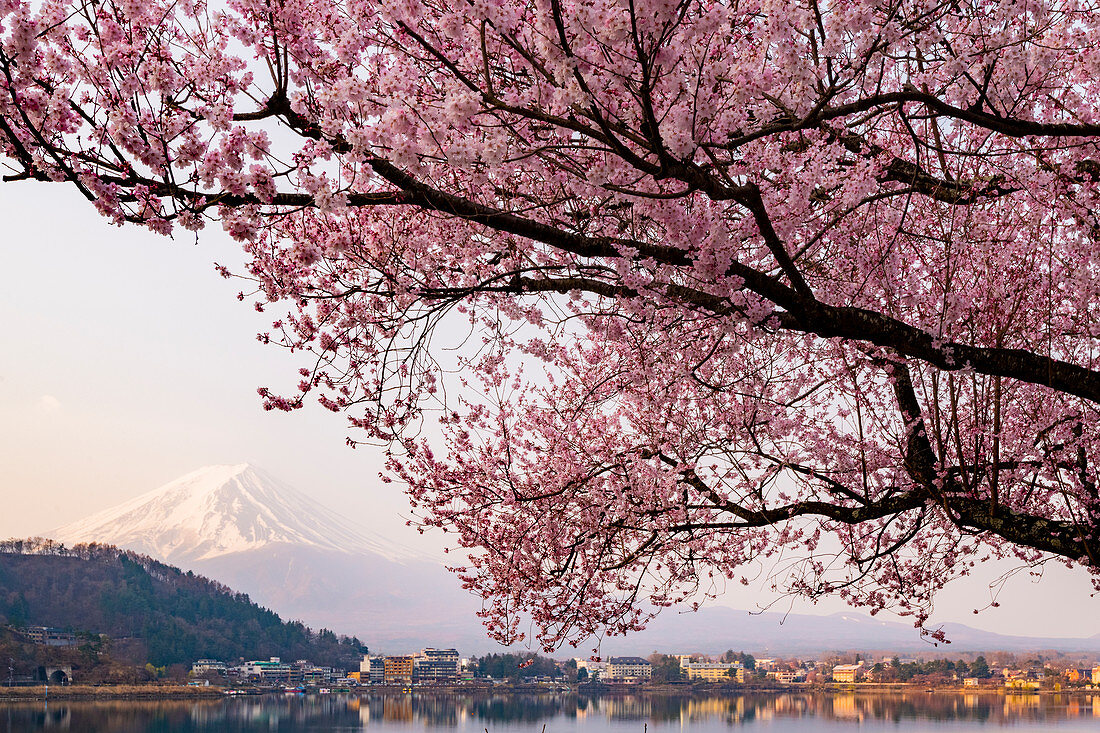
177, 616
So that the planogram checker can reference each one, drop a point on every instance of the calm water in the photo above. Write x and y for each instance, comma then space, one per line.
565, 713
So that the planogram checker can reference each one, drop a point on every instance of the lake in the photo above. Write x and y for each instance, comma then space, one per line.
425, 712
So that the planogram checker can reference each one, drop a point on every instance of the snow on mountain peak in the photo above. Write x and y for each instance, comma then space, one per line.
219, 510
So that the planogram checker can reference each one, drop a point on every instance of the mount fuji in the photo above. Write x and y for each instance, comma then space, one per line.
222, 510
254, 533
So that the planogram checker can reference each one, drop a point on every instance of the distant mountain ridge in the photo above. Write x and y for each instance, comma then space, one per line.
177, 617
716, 628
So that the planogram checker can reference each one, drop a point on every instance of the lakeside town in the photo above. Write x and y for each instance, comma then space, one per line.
436, 667
445, 667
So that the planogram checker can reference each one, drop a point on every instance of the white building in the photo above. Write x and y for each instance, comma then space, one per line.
596, 670
273, 670
628, 669
207, 666
787, 676
372, 670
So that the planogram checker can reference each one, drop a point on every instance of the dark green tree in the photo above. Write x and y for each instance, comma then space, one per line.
979, 668
665, 668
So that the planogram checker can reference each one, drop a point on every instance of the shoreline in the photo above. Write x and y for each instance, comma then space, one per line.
838, 687
185, 693
109, 692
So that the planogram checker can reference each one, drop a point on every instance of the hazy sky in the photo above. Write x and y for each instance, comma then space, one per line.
126, 361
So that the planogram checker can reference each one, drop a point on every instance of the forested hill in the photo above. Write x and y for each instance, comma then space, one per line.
178, 616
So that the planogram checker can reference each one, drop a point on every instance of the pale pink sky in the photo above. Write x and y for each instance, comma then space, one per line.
125, 362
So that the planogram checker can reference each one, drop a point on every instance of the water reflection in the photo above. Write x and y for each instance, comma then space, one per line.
473, 713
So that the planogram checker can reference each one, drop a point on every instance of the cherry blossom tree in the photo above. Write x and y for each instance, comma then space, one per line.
639, 292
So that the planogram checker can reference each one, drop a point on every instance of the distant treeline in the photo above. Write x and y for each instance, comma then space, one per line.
898, 671
517, 666
179, 617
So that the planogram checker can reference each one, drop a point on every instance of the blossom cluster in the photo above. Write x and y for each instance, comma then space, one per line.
640, 294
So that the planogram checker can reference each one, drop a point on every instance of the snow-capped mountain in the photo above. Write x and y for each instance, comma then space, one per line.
244, 528
221, 510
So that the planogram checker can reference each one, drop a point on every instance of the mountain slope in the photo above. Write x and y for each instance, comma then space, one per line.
257, 534
179, 617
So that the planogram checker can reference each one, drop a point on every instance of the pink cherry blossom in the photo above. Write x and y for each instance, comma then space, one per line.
639, 294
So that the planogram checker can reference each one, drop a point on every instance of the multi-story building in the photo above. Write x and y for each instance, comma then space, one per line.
397, 670
376, 670
714, 671
1022, 682
50, 636
1075, 674
273, 670
314, 675
1096, 675
848, 672
436, 665
628, 669
372, 670
595, 670
207, 666
787, 676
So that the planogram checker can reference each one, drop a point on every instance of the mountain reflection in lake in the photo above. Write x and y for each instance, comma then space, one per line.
564, 713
